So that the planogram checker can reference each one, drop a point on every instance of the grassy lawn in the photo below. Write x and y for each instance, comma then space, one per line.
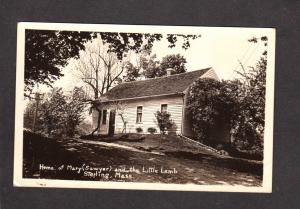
157, 159
176, 146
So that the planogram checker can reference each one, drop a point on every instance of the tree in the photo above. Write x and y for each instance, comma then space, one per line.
239, 103
254, 87
212, 104
74, 110
28, 115
145, 65
53, 113
174, 61
249, 130
47, 52
59, 114
99, 68
132, 72
150, 67
31, 114
231, 104
153, 68
123, 42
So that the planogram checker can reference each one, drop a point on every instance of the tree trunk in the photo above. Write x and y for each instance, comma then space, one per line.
108, 76
124, 123
96, 97
97, 85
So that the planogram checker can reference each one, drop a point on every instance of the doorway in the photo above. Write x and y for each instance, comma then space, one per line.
111, 127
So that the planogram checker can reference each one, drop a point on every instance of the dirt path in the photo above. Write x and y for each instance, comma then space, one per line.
115, 145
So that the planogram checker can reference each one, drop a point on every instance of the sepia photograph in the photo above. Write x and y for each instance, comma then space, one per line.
144, 107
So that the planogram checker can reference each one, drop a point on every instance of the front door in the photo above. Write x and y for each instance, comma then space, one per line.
111, 127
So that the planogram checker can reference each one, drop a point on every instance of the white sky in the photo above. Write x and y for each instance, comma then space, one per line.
220, 50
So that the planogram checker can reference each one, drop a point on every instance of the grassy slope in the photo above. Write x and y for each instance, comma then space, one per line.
194, 167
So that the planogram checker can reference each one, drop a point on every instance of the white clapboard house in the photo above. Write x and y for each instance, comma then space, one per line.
140, 100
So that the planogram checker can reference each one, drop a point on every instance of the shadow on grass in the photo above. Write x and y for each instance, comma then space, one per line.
117, 137
240, 165
39, 150
56, 152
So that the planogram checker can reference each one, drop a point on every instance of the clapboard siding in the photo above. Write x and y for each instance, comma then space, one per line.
210, 74
150, 106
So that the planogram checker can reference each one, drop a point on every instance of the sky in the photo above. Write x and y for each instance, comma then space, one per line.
220, 50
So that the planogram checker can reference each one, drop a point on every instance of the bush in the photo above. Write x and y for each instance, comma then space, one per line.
212, 105
163, 121
58, 114
216, 105
139, 130
151, 130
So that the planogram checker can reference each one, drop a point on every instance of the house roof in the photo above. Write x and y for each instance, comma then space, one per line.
167, 85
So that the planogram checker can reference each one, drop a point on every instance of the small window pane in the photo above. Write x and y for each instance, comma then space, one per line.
139, 109
139, 113
164, 108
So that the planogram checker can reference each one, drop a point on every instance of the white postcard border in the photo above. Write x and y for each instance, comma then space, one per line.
18, 146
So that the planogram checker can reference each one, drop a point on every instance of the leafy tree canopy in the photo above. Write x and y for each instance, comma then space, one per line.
212, 102
47, 51
132, 72
174, 61
238, 103
123, 42
150, 67
58, 114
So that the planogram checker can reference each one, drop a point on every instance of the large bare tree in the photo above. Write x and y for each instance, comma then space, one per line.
100, 69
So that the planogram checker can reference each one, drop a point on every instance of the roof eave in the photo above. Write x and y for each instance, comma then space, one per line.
134, 98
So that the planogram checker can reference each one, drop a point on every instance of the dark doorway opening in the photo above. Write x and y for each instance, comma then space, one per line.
111, 128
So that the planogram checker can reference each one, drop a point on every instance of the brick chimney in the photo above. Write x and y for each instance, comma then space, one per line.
170, 71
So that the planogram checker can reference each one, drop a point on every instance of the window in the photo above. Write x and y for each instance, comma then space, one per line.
104, 117
139, 113
164, 108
